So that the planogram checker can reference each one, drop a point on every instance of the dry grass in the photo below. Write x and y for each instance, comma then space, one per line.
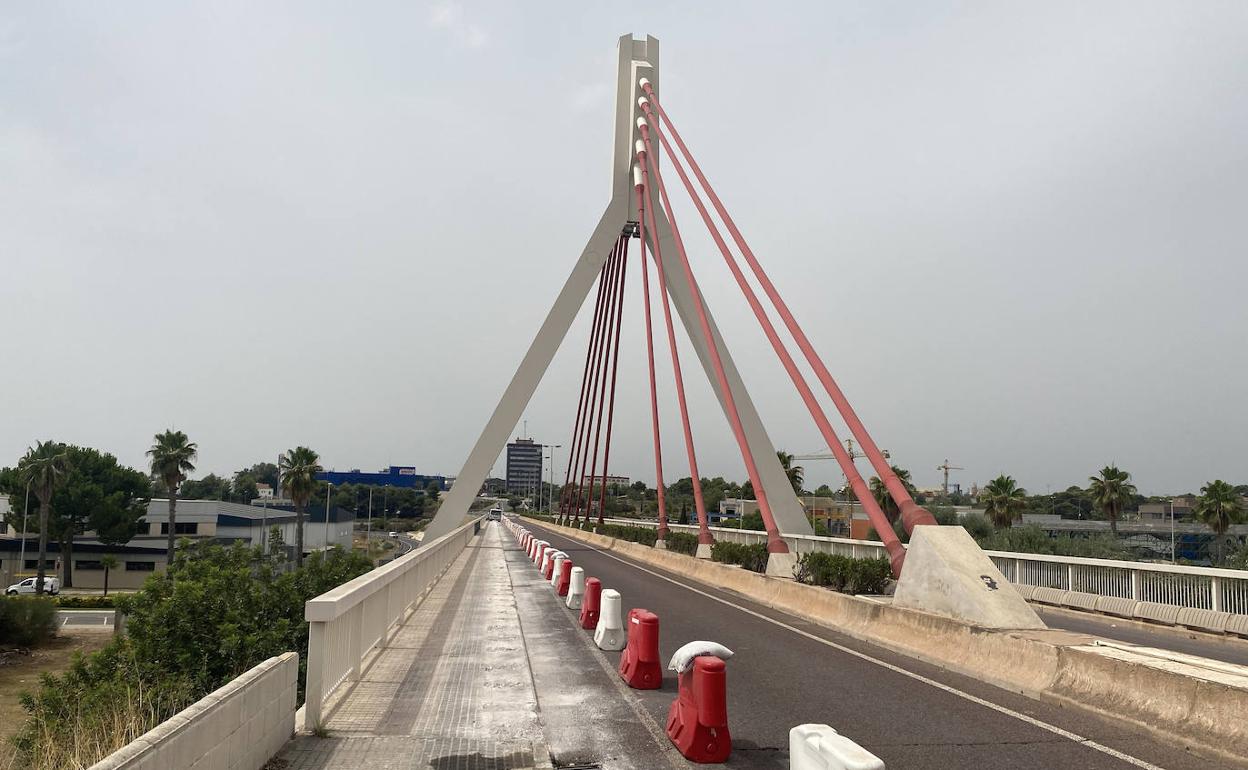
21, 672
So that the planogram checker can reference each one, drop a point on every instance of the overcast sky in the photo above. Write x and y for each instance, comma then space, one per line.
1018, 232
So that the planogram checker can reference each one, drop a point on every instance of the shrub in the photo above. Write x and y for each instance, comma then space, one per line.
643, 535
84, 602
752, 556
27, 620
842, 573
682, 542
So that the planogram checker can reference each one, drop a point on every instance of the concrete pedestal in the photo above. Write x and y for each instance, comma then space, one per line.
946, 573
660, 545
704, 551
781, 565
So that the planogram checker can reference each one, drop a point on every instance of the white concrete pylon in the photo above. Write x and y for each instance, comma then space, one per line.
636, 59
609, 635
576, 588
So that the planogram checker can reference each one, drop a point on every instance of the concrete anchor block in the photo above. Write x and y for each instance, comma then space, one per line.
1166, 614
779, 565
1203, 620
819, 747
704, 552
1080, 600
609, 635
660, 545
1116, 605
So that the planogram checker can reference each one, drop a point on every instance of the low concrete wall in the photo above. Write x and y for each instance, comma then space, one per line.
1183, 702
241, 726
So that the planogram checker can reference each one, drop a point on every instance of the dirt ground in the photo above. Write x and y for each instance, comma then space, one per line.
21, 672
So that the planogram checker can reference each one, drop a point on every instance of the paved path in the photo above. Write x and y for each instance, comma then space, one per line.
453, 691
1229, 649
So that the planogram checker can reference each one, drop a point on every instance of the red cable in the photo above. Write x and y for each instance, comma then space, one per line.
775, 543
704, 532
911, 513
654, 398
617, 300
615, 366
580, 404
896, 552
583, 455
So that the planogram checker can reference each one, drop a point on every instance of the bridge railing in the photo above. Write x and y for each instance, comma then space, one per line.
1206, 588
349, 623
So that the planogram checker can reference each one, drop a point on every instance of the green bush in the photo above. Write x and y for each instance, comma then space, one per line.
84, 602
842, 573
643, 535
682, 542
27, 620
752, 556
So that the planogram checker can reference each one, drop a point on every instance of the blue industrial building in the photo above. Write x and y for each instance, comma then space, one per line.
395, 476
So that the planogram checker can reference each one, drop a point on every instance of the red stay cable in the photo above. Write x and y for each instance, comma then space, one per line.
612, 301
583, 454
912, 514
704, 532
615, 365
775, 543
639, 186
896, 552
580, 404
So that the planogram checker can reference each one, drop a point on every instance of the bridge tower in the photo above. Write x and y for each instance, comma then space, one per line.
636, 59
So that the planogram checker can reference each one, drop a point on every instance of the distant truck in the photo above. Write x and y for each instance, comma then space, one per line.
50, 585
496, 514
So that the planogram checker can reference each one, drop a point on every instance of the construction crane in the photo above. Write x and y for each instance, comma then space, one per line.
853, 453
946, 467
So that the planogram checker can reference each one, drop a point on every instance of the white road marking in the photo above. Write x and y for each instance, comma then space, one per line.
897, 669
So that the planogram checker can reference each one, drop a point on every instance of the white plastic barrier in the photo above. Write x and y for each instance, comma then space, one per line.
560, 558
609, 635
576, 588
819, 747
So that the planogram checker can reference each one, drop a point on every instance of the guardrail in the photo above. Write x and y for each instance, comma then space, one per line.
346, 625
1204, 588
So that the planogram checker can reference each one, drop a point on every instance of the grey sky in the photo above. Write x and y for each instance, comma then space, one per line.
1016, 231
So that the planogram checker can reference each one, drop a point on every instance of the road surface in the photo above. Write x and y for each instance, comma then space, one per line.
912, 715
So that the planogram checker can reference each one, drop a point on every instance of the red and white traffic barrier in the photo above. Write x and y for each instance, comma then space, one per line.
639, 663
556, 566
576, 588
609, 633
819, 747
591, 605
697, 722
564, 581
548, 573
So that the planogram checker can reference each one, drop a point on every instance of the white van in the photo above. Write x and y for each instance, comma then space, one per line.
50, 586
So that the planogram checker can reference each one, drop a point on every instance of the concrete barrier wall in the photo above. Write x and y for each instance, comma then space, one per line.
1049, 665
241, 726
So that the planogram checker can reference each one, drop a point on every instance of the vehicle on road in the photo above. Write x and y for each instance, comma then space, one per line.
394, 534
50, 585
495, 514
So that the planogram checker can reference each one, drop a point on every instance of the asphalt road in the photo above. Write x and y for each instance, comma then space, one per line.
912, 715
1228, 649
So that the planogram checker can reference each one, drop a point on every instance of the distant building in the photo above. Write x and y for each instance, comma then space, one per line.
394, 476
494, 486
732, 508
622, 481
524, 467
264, 492
836, 515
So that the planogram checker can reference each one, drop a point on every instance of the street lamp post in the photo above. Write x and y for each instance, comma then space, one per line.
328, 487
550, 493
369, 530
25, 515
1172, 554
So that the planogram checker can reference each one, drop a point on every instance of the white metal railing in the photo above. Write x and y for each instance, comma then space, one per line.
1207, 588
346, 624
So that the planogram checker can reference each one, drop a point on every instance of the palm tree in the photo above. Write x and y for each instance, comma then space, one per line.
1219, 506
42, 468
1003, 500
884, 499
108, 562
299, 467
173, 457
1110, 492
796, 473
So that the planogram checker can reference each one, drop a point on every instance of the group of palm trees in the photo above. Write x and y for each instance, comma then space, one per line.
172, 458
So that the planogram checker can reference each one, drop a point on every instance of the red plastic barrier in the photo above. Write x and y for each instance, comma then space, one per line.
697, 722
639, 663
541, 551
550, 569
591, 605
565, 578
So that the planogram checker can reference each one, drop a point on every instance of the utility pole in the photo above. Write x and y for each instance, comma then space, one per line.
328, 487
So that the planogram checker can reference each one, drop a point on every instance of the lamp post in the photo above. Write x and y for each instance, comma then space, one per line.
369, 530
1172, 554
328, 487
550, 493
25, 515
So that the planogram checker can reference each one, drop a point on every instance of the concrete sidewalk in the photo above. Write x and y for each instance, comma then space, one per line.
453, 691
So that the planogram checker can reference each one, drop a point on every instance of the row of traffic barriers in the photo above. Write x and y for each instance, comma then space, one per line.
697, 720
